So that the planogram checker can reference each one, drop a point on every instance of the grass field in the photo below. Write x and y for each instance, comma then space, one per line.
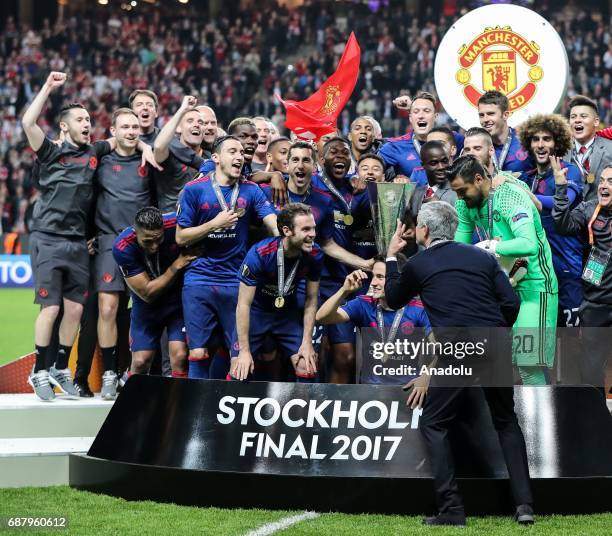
89, 513
17, 315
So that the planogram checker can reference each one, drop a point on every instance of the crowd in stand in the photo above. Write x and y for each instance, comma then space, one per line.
238, 62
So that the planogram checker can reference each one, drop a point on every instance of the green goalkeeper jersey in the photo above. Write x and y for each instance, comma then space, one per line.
517, 223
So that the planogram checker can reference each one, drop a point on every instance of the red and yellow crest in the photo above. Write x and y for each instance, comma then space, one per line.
497, 49
332, 97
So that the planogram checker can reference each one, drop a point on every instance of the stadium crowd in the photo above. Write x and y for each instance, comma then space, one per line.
222, 60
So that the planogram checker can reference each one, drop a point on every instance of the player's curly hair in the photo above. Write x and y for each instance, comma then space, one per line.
556, 124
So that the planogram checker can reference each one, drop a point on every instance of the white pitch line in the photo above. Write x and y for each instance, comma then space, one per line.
271, 528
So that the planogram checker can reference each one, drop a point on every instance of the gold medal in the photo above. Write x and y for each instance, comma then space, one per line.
279, 302
240, 212
348, 219
590, 178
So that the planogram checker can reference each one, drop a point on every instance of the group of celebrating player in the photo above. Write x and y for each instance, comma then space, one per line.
238, 247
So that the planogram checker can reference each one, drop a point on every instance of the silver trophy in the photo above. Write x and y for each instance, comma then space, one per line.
388, 202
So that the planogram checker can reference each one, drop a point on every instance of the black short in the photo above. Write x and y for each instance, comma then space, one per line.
61, 268
107, 276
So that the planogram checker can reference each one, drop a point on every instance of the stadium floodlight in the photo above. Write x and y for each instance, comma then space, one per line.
103, 2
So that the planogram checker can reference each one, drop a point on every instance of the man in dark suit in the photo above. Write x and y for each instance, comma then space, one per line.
436, 160
589, 152
461, 287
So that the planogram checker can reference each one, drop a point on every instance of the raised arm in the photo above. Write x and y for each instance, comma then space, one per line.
166, 134
337, 252
32, 131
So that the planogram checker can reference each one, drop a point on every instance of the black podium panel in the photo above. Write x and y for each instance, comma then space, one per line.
332, 447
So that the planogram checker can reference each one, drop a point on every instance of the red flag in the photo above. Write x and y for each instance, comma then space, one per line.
312, 118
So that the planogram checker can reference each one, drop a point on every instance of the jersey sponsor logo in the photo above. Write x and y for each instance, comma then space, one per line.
93, 162
599, 224
107, 277
519, 216
43, 292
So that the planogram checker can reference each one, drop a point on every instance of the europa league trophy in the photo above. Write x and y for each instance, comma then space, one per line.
388, 201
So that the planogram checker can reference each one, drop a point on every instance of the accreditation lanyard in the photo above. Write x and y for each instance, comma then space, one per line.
590, 226
380, 320
219, 194
347, 204
499, 164
283, 286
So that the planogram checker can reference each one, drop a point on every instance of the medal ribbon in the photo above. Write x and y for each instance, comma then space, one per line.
153, 270
380, 320
219, 194
417, 145
284, 286
499, 164
334, 190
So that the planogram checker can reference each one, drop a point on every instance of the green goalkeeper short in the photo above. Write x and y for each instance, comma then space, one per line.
534, 332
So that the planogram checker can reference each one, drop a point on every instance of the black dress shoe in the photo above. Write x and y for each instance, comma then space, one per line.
524, 514
83, 388
454, 519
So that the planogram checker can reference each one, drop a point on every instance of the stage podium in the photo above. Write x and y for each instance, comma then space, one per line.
348, 448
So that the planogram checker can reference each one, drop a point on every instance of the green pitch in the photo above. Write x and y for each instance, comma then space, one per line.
89, 513
17, 316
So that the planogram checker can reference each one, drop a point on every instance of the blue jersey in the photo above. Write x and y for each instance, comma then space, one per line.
260, 269
362, 312
132, 259
225, 249
517, 159
208, 166
319, 201
401, 154
566, 250
419, 176
342, 231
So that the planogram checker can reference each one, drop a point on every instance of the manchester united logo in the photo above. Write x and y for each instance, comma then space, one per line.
107, 277
332, 95
93, 162
497, 49
43, 292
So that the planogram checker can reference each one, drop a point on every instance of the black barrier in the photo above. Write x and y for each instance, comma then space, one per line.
336, 447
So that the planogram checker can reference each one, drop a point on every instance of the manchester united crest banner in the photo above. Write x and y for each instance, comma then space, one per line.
504, 48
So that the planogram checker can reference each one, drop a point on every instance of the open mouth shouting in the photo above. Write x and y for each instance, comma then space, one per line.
542, 154
605, 196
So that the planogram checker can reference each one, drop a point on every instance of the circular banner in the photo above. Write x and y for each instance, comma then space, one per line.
506, 48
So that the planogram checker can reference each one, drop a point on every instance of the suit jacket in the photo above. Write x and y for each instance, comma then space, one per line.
443, 193
459, 285
598, 159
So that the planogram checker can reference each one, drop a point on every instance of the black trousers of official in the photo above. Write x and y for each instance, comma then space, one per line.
440, 410
596, 343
